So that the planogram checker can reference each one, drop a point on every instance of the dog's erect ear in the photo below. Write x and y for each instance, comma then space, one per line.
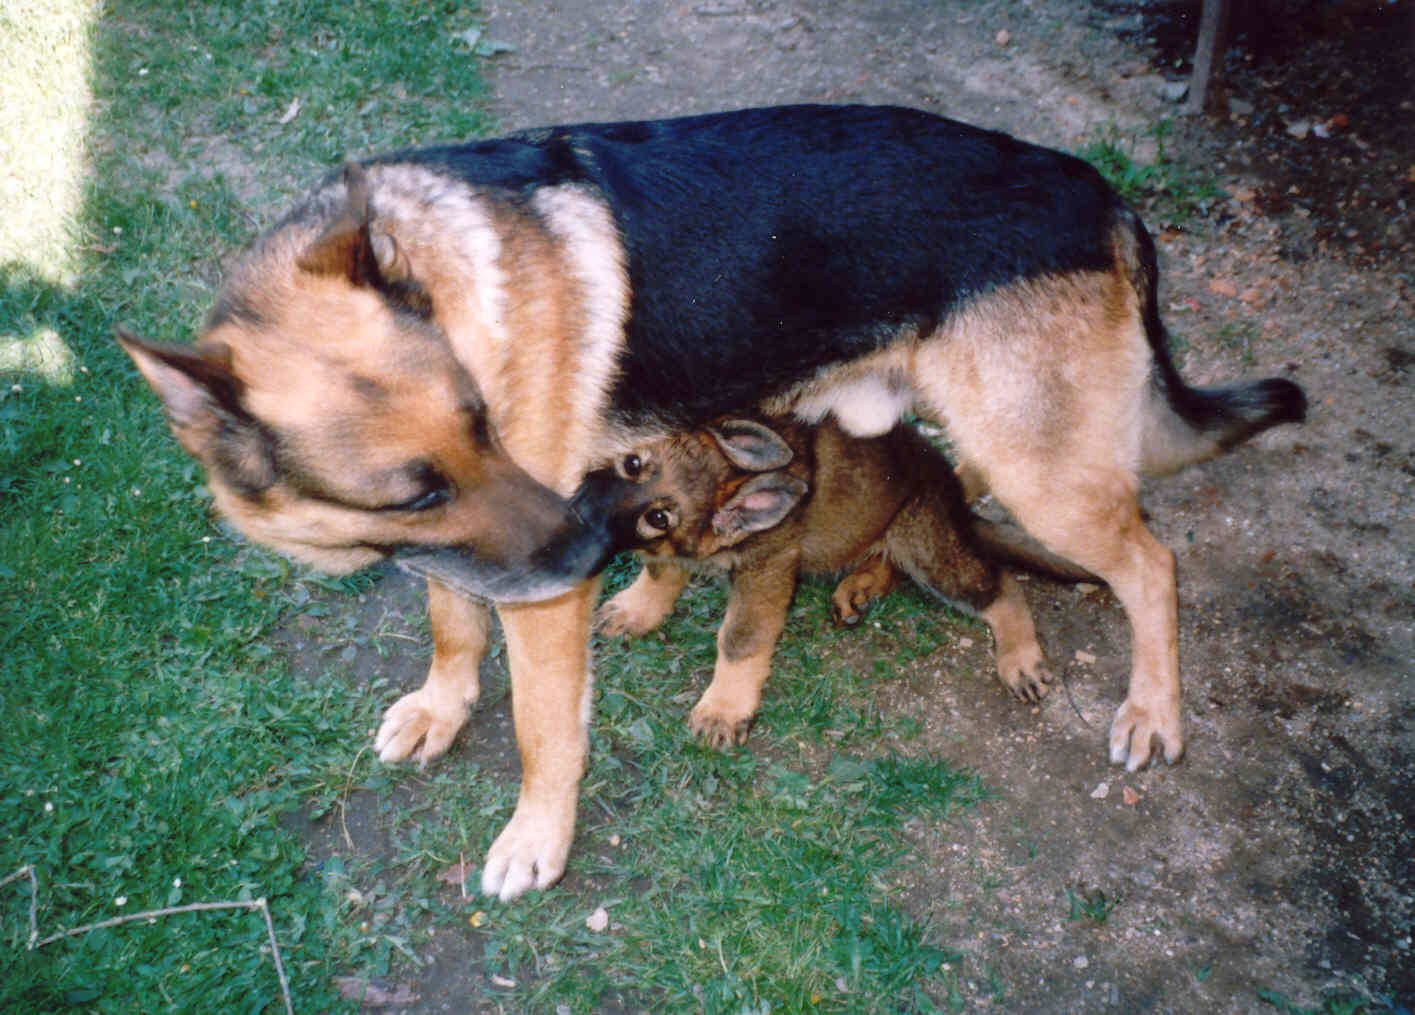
203, 402
194, 385
351, 247
750, 445
760, 503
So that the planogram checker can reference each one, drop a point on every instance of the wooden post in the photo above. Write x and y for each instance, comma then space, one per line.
1205, 89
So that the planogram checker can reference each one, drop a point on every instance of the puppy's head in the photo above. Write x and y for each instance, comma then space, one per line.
336, 425
697, 494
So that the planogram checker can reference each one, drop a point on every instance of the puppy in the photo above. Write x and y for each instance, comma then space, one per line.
766, 501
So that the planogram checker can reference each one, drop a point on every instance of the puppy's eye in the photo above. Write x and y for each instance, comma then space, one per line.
657, 518
633, 466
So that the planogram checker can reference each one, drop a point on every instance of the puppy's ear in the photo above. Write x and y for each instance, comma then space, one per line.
751, 446
203, 401
350, 247
761, 503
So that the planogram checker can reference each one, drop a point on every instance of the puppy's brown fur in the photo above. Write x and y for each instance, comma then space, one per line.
769, 500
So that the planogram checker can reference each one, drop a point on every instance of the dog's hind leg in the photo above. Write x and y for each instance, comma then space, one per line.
432, 715
1094, 519
646, 603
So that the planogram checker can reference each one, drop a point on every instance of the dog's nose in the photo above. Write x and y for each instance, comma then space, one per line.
609, 503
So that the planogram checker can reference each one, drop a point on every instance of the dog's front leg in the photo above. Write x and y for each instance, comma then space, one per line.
756, 613
432, 715
548, 647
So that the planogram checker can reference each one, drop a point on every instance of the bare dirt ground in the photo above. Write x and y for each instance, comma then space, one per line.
1279, 854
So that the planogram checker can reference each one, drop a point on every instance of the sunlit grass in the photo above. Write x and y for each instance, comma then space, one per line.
45, 101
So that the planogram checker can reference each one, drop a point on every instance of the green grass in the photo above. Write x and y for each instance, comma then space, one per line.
1178, 192
153, 734
740, 881
156, 742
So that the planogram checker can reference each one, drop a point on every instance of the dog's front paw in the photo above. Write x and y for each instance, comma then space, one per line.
1137, 727
1024, 672
530, 852
721, 725
424, 717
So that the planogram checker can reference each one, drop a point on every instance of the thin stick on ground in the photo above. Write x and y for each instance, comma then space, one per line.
35, 942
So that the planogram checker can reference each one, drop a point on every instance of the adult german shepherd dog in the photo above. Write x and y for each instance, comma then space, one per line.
425, 355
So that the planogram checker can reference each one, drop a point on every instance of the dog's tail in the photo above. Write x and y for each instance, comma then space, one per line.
1182, 424
1008, 544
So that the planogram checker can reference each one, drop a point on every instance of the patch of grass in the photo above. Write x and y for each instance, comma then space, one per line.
153, 733
1179, 192
1239, 337
748, 880
1092, 906
1335, 1003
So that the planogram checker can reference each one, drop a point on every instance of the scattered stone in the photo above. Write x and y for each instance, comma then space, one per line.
1101, 792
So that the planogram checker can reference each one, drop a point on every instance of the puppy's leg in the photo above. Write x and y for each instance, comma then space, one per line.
925, 539
550, 701
646, 603
756, 613
1020, 662
432, 715
873, 579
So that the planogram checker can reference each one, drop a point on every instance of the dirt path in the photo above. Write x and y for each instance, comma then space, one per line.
1278, 856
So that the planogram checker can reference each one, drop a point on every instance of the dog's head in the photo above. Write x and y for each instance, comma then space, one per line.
699, 493
336, 425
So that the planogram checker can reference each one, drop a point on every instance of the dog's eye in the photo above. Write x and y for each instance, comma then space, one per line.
657, 519
430, 499
633, 466
436, 491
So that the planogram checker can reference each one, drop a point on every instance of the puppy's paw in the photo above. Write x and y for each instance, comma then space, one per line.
530, 852
858, 590
423, 718
631, 615
721, 725
1138, 726
1025, 674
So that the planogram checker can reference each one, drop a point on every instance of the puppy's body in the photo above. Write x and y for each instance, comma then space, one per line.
766, 502
422, 359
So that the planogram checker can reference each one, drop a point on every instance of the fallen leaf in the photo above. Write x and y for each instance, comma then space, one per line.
1244, 195
1222, 287
291, 111
1251, 295
455, 875
1129, 796
375, 993
501, 981
598, 921
1084, 657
